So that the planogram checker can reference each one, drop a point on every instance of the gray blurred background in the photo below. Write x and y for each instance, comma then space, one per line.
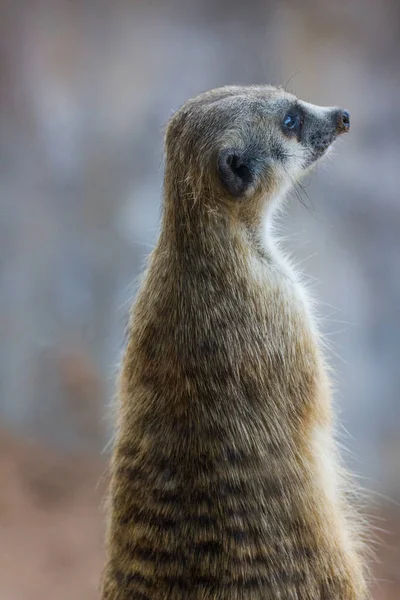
85, 89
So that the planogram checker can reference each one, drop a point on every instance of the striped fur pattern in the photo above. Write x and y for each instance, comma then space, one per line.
225, 481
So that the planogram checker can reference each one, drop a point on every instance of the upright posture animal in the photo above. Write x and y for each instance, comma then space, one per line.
225, 483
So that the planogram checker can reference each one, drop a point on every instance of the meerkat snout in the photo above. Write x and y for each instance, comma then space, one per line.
323, 127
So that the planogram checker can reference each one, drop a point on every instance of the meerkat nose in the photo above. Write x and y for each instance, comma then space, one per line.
342, 121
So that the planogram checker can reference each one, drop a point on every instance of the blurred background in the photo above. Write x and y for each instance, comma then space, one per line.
85, 88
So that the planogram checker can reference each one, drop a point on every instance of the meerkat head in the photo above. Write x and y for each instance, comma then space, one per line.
241, 144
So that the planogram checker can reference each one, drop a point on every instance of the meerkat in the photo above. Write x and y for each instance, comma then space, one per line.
225, 479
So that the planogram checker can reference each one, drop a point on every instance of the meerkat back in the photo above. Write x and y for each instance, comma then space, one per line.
225, 479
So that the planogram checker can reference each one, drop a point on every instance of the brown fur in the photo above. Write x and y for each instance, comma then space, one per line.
224, 476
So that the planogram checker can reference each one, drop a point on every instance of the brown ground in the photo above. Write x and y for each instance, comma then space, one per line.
51, 527
51, 531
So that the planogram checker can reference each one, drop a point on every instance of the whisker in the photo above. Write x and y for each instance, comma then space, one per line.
290, 79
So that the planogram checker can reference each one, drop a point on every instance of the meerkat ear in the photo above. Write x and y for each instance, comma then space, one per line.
235, 170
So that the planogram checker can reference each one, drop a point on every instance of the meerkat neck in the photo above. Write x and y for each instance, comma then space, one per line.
194, 226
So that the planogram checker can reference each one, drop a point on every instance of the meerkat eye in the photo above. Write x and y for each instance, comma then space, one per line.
291, 122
